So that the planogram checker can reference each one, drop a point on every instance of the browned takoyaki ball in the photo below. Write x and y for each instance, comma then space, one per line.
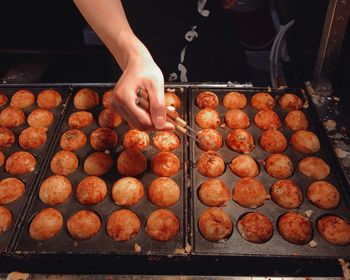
171, 99
215, 224
11, 117
86, 99
106, 99
267, 119
165, 164
314, 168
244, 166
7, 137
166, 141
11, 189
234, 100
295, 228
214, 193
131, 162
55, 190
290, 102
273, 141
3, 99
20, 163
208, 118
80, 119
22, 98
136, 139
207, 99
46, 224
323, 194
103, 139
241, 141
209, 139
236, 118
40, 118
210, 164
109, 119
162, 225
262, 101
49, 99
73, 140
255, 227
286, 194
123, 225
127, 191
334, 229
296, 120
279, 166
98, 164
64, 163
250, 193
5, 219
91, 190
163, 192
305, 142
2, 158
83, 225
32, 138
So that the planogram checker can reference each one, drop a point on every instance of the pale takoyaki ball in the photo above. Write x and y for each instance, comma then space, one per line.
208, 118
11, 117
267, 119
5, 219
240, 141
127, 191
262, 101
3, 99
165, 164
305, 142
215, 224
214, 193
136, 139
209, 140
49, 99
55, 190
2, 158
7, 137
86, 99
83, 225
20, 163
290, 102
73, 140
104, 139
123, 225
314, 168
207, 99
91, 190
40, 118
64, 163
22, 98
131, 163
80, 119
11, 189
166, 141
323, 195
295, 228
255, 227
106, 99
32, 138
334, 229
109, 119
171, 99
273, 141
46, 224
234, 100
286, 194
236, 118
244, 166
162, 225
296, 120
250, 193
98, 164
210, 164
163, 192
279, 166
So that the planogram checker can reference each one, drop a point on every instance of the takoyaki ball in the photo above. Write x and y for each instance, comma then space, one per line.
279, 166
236, 118
286, 194
314, 168
262, 101
171, 99
127, 191
20, 163
208, 118
214, 193
5, 219
290, 102
255, 227
49, 99
73, 140
103, 139
131, 162
296, 120
64, 163
106, 99
85, 99
210, 164
11, 189
334, 229
166, 141
323, 195
241, 141
11, 117
244, 166
3, 99
209, 139
2, 158
40, 118
250, 193
295, 228
267, 119
83, 225
7, 137
123, 225
162, 225
98, 164
165, 164
80, 119
32, 138
46, 224
207, 99
305, 142
91, 190
163, 192
55, 190
215, 224
234, 100
22, 98
273, 141
136, 139
109, 119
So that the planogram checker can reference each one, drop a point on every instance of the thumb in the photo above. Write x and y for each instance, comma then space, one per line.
157, 107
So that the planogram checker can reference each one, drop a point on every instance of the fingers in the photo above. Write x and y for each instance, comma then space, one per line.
157, 105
